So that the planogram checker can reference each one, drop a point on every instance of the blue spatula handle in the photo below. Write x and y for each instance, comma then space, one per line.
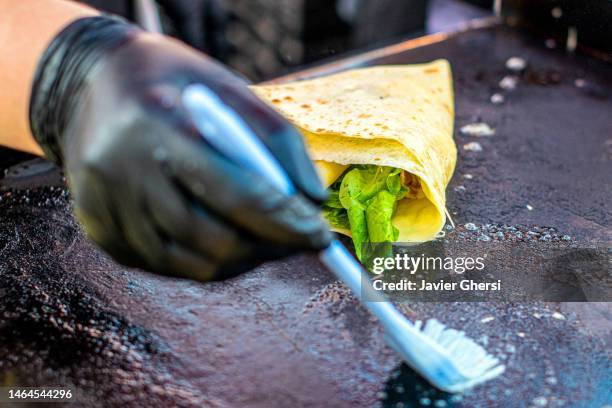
225, 129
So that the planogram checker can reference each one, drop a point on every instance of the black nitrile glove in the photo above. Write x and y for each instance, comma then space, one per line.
106, 104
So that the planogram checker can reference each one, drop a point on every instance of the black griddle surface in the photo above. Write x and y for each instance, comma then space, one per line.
288, 334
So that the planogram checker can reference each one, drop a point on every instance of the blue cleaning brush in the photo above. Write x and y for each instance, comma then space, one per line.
447, 358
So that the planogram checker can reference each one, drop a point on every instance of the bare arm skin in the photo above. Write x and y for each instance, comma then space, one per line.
26, 29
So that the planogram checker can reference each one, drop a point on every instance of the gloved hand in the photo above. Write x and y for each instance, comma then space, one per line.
106, 104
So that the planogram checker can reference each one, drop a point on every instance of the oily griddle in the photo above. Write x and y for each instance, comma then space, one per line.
288, 334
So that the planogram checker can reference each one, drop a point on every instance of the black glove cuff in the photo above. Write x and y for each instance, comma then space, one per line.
64, 71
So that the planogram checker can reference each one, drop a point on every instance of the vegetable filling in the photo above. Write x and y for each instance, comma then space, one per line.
363, 200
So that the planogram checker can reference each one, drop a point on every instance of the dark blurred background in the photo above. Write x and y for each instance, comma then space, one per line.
263, 39
266, 38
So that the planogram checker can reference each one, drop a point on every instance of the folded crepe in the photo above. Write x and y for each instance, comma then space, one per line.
378, 135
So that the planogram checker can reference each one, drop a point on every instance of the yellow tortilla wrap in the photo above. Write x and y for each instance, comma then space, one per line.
399, 116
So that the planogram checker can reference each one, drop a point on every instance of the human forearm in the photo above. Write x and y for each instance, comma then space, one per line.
26, 29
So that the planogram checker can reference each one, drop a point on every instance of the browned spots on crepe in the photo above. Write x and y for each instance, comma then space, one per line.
431, 70
276, 100
365, 116
323, 101
288, 98
305, 106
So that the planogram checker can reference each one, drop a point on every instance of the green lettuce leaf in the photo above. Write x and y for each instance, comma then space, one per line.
337, 217
359, 227
363, 200
334, 200
378, 216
